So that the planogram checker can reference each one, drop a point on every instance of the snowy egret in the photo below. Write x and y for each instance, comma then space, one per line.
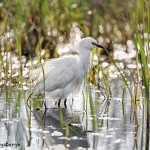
62, 76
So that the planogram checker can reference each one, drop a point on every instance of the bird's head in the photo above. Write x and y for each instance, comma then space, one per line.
90, 43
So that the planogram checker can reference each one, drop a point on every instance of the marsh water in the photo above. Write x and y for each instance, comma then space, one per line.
91, 121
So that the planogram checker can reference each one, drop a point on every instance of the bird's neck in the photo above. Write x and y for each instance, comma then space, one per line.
84, 61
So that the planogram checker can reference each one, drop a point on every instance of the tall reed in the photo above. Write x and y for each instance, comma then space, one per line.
140, 23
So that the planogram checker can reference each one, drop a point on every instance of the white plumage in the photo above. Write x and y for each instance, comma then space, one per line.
63, 76
60, 77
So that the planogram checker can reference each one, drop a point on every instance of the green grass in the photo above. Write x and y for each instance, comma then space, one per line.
141, 16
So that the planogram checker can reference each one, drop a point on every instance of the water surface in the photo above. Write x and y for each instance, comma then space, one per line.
90, 121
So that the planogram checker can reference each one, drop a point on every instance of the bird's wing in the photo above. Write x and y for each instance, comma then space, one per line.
55, 74
35, 72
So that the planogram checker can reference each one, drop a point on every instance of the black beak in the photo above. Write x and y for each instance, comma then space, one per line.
101, 46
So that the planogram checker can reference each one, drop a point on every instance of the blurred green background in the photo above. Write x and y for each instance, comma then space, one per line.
41, 24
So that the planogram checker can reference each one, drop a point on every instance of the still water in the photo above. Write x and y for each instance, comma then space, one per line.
91, 121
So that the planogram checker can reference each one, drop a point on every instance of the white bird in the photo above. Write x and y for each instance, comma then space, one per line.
62, 76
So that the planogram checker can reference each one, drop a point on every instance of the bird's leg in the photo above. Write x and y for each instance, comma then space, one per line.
65, 102
59, 102
44, 117
28, 100
45, 105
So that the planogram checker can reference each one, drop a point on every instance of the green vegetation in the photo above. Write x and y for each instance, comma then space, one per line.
141, 17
